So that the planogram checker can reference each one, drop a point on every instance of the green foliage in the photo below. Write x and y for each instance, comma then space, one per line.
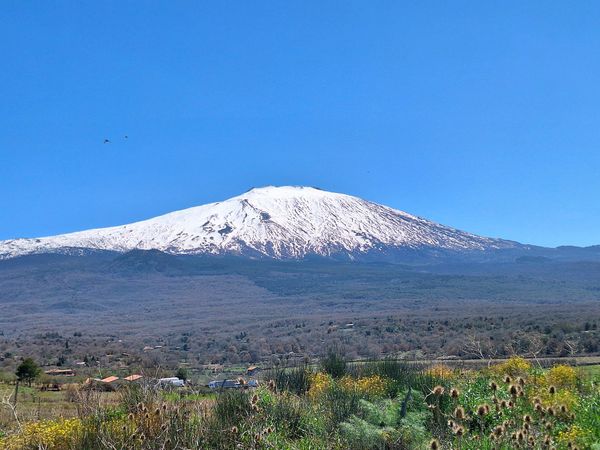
28, 371
295, 380
232, 408
182, 373
334, 363
339, 416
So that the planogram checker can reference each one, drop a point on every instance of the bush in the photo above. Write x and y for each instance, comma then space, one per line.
562, 376
296, 380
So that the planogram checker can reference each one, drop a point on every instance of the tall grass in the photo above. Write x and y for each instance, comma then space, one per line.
295, 380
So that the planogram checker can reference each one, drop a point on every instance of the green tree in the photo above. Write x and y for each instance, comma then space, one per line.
182, 374
28, 371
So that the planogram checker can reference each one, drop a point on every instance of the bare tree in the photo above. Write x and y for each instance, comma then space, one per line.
476, 347
12, 405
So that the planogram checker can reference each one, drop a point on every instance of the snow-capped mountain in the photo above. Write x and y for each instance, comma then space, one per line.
277, 222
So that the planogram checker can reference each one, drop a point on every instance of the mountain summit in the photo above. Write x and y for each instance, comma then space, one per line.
286, 222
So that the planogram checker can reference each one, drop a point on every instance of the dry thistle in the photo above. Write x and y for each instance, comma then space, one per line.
493, 386
234, 429
438, 390
513, 391
521, 381
550, 410
552, 390
434, 444
482, 410
459, 431
507, 379
527, 418
459, 413
563, 409
454, 393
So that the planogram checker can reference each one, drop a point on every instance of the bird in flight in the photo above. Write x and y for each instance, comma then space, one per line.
126, 136
106, 141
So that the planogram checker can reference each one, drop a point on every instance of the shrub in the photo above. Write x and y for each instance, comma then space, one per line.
334, 363
513, 367
440, 371
370, 387
562, 377
296, 380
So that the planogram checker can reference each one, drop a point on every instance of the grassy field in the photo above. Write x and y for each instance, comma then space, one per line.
335, 405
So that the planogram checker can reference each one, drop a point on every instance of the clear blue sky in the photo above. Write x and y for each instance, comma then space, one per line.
480, 115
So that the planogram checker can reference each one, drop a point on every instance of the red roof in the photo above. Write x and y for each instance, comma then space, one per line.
133, 377
109, 379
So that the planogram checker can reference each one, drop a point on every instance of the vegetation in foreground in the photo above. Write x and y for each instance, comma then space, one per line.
372, 405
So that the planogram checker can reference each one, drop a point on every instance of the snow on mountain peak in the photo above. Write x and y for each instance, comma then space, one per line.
279, 222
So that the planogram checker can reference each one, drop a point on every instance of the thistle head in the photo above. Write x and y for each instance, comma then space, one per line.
438, 390
434, 444
459, 413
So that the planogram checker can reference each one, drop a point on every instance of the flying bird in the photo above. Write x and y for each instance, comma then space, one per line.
106, 141
126, 136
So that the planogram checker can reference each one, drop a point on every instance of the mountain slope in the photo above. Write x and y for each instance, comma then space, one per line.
277, 222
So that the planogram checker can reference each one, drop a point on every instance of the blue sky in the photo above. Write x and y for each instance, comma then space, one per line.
480, 115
